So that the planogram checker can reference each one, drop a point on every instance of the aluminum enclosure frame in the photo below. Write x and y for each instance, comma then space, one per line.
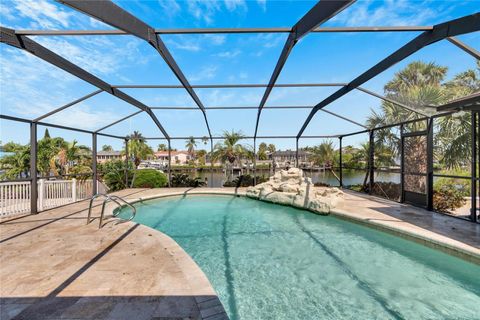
128, 24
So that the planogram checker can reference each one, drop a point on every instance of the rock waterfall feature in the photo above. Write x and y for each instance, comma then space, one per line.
290, 187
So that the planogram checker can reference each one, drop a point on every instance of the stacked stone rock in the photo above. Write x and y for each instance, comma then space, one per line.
291, 187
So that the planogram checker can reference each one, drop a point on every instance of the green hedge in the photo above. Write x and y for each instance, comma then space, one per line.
149, 178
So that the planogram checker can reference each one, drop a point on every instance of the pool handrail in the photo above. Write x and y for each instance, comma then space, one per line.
113, 198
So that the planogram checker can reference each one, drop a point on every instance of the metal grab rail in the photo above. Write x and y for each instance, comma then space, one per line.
113, 198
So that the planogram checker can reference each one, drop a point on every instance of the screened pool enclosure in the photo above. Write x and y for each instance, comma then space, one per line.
415, 137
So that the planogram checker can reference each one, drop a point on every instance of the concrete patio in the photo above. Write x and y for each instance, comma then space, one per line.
54, 266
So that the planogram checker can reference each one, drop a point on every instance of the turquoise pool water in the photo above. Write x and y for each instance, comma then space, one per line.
274, 262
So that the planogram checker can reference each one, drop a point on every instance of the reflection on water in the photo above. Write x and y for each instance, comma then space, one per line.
350, 177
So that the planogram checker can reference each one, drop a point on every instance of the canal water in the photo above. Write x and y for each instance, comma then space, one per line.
350, 177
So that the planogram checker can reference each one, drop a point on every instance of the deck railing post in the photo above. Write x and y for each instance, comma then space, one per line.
340, 165
371, 161
41, 194
473, 192
74, 190
33, 168
94, 164
430, 164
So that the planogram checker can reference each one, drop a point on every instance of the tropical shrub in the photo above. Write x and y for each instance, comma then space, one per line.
460, 185
244, 181
447, 198
113, 174
149, 178
389, 190
184, 180
321, 184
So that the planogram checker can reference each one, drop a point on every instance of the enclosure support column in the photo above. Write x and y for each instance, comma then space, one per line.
33, 168
297, 164
402, 168
473, 193
94, 164
254, 161
430, 164
211, 162
169, 164
125, 171
340, 162
371, 160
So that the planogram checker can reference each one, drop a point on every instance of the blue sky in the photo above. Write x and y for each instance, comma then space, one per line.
31, 87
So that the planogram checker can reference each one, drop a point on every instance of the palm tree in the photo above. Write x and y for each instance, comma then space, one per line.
323, 154
107, 147
138, 149
262, 151
162, 147
16, 164
454, 136
72, 155
420, 85
202, 156
229, 151
47, 154
271, 148
205, 140
191, 144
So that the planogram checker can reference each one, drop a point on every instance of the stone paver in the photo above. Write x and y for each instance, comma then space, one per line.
54, 266
452, 235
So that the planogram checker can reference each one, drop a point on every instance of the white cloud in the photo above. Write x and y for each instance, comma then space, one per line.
84, 118
208, 72
170, 7
185, 45
195, 43
215, 39
232, 5
99, 55
230, 97
393, 13
229, 54
42, 13
203, 10
262, 4
39, 83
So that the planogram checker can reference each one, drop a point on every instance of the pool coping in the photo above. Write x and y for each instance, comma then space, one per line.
440, 242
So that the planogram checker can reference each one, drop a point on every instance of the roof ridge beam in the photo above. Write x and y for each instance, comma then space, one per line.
225, 30
321, 12
439, 32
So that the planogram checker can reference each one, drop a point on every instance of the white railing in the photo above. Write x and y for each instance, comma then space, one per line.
15, 196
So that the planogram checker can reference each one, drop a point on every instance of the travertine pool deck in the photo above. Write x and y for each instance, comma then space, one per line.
53, 266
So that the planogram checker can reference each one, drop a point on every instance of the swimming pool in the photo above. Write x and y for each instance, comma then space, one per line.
275, 262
